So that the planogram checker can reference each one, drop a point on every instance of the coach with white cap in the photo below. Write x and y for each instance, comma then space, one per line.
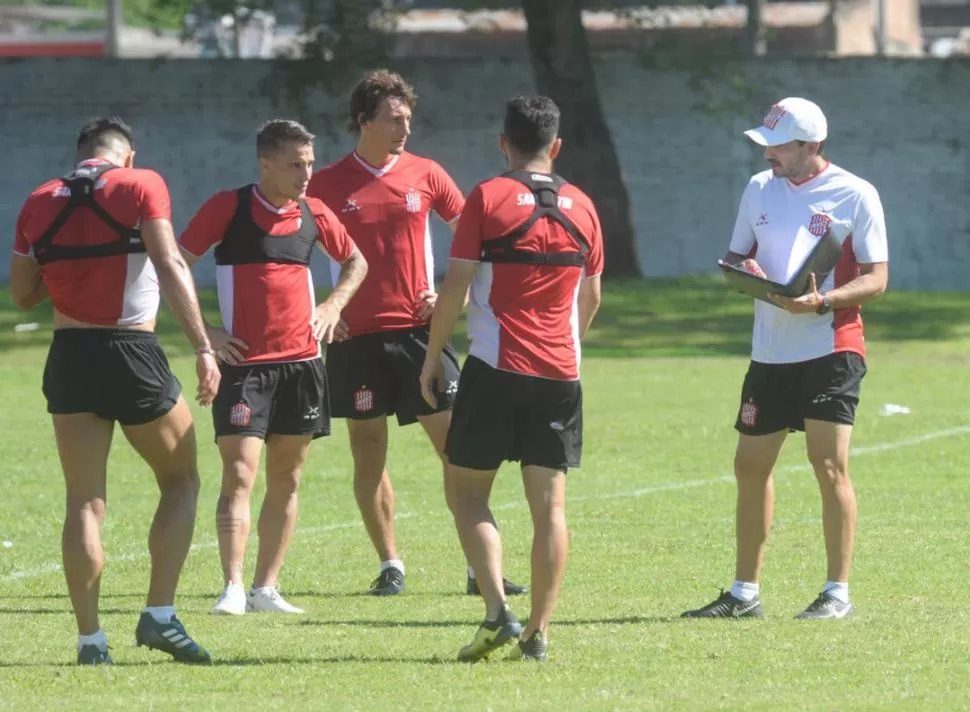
808, 353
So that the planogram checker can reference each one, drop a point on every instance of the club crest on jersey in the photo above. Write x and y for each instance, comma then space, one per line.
412, 201
749, 414
363, 400
240, 415
819, 224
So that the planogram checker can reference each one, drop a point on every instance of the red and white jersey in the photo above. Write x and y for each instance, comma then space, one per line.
268, 304
779, 222
387, 212
524, 318
119, 290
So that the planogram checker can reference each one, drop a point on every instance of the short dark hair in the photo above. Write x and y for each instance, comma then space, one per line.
103, 133
276, 133
531, 123
371, 90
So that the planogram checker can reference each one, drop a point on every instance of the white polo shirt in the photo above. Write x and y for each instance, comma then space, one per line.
779, 222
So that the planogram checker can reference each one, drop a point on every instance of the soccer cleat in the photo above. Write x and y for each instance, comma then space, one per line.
727, 606
532, 648
170, 638
232, 602
93, 655
389, 583
826, 607
511, 589
491, 636
268, 600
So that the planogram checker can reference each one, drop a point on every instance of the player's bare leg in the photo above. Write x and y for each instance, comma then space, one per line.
83, 444
828, 451
754, 460
483, 549
285, 456
375, 498
240, 467
436, 426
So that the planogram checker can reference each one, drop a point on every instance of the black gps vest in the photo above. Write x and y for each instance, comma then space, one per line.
81, 183
244, 242
545, 188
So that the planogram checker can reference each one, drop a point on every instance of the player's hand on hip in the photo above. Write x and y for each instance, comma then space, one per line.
207, 370
808, 303
227, 347
432, 377
426, 302
342, 331
326, 323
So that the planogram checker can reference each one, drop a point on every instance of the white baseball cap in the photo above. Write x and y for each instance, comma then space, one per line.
791, 119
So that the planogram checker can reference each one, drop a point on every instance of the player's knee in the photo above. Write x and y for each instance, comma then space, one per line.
238, 476
284, 483
750, 466
829, 469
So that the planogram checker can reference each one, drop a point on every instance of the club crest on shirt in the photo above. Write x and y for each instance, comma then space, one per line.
819, 224
412, 201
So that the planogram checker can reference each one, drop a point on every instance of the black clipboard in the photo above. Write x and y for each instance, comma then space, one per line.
820, 261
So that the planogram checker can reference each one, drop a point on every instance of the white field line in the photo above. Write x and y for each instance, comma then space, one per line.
628, 494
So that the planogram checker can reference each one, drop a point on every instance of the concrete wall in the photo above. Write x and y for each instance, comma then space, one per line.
902, 124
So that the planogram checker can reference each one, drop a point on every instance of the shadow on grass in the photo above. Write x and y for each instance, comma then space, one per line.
690, 316
469, 623
5, 611
246, 662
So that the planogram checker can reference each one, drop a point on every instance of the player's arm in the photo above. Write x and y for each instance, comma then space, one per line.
336, 244
870, 246
26, 286
742, 237
590, 297
451, 299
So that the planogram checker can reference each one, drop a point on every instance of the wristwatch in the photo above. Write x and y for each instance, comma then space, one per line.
825, 307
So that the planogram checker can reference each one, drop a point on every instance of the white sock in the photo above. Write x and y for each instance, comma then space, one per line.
161, 614
392, 564
98, 639
745, 590
471, 573
837, 590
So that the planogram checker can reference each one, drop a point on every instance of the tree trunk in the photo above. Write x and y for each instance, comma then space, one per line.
755, 45
564, 71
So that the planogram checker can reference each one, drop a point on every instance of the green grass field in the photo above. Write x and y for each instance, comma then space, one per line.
651, 518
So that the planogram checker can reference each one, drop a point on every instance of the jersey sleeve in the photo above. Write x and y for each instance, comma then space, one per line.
743, 239
21, 245
595, 259
869, 241
467, 244
154, 201
209, 224
448, 200
332, 235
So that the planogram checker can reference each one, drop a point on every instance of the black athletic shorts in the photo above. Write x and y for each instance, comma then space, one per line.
272, 399
379, 374
500, 416
117, 374
780, 396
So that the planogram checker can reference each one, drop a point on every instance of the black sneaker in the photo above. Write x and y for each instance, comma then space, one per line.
93, 655
491, 636
727, 606
389, 583
826, 607
534, 648
170, 638
511, 589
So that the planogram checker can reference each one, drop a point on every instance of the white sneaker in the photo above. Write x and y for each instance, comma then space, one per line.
268, 600
232, 602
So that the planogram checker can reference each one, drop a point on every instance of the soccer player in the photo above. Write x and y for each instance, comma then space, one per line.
99, 244
274, 387
385, 195
808, 353
531, 247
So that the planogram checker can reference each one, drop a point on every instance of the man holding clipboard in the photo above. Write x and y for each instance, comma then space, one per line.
814, 237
